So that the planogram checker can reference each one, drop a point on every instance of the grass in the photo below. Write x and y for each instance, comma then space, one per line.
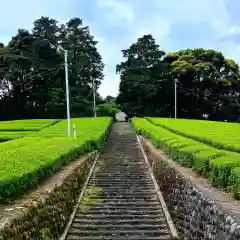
217, 164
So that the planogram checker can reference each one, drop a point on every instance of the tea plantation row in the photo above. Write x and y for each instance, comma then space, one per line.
221, 135
15, 129
25, 162
221, 166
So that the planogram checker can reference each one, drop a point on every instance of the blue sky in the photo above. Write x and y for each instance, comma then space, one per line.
175, 24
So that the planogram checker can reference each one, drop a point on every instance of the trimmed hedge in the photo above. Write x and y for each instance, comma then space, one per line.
235, 182
25, 162
26, 125
217, 164
221, 135
11, 135
10, 130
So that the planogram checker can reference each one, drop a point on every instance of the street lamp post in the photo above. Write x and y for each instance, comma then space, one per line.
175, 97
67, 84
67, 90
67, 87
94, 98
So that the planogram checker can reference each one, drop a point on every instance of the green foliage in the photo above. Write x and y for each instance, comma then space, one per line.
221, 168
221, 135
205, 79
10, 130
235, 182
10, 135
25, 162
217, 164
139, 74
107, 109
32, 79
26, 125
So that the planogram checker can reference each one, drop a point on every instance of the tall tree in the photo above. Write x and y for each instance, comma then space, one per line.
85, 64
208, 84
138, 89
32, 79
208, 81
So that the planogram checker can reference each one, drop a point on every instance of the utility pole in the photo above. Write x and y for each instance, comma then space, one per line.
67, 90
94, 98
67, 84
175, 98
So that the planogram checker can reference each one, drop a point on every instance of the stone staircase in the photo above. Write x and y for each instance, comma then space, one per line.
120, 200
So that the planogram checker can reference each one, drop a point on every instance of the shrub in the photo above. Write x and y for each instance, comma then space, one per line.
107, 110
26, 125
6, 136
25, 162
221, 135
214, 163
235, 182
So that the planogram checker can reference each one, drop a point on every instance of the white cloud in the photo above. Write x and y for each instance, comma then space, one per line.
109, 85
164, 15
118, 23
22, 14
117, 10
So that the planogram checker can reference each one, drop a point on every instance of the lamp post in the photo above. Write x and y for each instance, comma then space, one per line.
67, 86
175, 97
94, 98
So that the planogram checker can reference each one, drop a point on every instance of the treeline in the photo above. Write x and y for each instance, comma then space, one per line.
208, 85
32, 77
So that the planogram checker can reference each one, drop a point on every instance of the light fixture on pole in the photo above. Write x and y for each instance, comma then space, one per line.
94, 98
175, 96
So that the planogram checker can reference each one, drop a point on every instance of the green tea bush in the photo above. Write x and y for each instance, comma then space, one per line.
6, 136
25, 162
235, 182
217, 164
221, 135
26, 125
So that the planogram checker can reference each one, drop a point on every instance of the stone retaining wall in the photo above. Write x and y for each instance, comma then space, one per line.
198, 210
44, 213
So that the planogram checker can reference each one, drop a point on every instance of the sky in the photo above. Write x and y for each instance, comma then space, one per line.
116, 24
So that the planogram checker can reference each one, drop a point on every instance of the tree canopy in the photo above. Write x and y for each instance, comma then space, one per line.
207, 83
32, 77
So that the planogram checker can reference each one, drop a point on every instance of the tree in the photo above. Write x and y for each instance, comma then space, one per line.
32, 78
110, 99
208, 84
208, 81
138, 76
85, 64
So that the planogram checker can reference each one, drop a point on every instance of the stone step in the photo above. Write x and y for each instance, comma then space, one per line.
111, 215
103, 237
118, 204
127, 198
127, 194
120, 232
122, 199
122, 186
121, 221
127, 207
121, 226
123, 208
